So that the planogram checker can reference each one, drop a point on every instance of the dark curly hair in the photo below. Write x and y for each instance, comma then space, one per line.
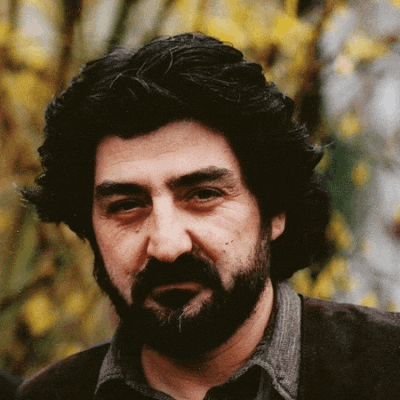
196, 77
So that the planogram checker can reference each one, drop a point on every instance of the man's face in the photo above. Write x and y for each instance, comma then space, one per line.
179, 234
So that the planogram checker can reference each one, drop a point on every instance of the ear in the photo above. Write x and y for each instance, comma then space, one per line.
278, 225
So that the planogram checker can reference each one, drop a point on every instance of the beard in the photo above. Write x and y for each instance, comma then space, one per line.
177, 321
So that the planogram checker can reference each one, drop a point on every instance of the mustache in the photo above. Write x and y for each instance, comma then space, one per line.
186, 268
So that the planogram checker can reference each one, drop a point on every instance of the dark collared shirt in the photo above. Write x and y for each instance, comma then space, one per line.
271, 373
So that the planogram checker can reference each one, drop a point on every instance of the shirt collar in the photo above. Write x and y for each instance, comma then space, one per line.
278, 353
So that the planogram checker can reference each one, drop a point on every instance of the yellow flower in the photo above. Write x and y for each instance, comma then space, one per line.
187, 9
5, 220
291, 34
5, 32
349, 126
361, 47
338, 266
239, 11
40, 314
339, 232
257, 31
291, 7
75, 303
392, 306
370, 300
325, 286
360, 174
284, 24
301, 282
27, 90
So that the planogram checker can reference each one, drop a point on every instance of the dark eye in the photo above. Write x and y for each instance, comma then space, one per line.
206, 194
124, 205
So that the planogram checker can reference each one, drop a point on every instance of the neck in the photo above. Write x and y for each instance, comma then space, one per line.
183, 380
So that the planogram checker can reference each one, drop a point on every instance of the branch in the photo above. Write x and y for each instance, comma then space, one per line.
291, 8
26, 292
313, 62
72, 13
201, 10
120, 25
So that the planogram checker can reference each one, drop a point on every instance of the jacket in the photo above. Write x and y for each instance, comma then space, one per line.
8, 385
348, 352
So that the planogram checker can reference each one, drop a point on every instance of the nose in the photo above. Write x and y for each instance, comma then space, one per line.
168, 234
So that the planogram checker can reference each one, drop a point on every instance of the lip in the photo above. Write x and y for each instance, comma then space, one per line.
174, 296
187, 286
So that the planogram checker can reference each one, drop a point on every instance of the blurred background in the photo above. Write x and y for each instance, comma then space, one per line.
339, 60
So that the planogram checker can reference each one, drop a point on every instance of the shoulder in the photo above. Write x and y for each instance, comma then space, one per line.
350, 322
342, 313
8, 385
74, 377
350, 330
350, 349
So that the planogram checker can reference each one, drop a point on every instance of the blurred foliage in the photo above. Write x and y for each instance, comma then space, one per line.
50, 305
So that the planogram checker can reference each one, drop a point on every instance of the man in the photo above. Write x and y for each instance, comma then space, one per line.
197, 192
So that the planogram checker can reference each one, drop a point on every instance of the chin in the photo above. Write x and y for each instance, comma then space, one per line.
192, 330
178, 304
182, 309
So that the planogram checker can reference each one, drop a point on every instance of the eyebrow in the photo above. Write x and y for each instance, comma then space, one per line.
201, 176
204, 175
108, 189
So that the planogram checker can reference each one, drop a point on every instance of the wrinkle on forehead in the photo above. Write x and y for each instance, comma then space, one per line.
176, 149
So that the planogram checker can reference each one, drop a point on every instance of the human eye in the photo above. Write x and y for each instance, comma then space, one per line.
125, 206
204, 195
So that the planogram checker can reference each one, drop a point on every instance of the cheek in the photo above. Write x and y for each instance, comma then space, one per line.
241, 226
121, 257
230, 239
115, 243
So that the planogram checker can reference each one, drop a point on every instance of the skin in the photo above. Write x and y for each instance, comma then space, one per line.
173, 191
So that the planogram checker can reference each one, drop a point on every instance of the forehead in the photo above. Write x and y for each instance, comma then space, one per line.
175, 149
